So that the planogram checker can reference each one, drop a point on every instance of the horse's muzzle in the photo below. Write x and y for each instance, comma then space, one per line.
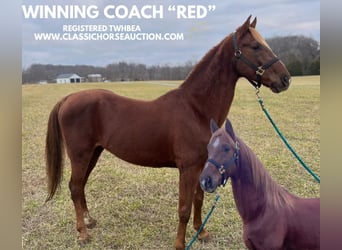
286, 80
207, 184
282, 85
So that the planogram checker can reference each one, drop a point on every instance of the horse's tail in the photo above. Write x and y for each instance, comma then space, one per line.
54, 152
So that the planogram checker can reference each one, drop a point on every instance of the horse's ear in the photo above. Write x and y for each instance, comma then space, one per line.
253, 24
213, 126
229, 129
244, 27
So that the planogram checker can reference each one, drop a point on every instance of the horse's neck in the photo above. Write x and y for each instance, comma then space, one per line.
250, 199
211, 84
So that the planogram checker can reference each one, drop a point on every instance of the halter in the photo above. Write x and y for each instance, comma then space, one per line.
222, 168
259, 71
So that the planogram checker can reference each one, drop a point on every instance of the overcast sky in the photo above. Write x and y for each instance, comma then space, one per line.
275, 18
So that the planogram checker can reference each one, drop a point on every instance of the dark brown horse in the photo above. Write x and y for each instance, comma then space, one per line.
170, 131
272, 217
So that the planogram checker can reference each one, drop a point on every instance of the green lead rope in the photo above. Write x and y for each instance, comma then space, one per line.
284, 139
204, 222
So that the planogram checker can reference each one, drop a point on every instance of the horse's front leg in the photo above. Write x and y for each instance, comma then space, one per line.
198, 202
187, 186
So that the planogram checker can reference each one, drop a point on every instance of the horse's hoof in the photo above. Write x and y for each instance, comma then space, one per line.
204, 236
83, 240
179, 245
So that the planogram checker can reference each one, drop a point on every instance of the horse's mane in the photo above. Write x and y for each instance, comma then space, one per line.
274, 194
212, 57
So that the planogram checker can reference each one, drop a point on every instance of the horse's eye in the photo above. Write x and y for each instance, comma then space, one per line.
256, 46
225, 148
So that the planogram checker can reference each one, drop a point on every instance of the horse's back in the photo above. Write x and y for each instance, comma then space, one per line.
82, 100
97, 102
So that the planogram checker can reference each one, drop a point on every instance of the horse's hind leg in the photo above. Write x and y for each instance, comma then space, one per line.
81, 169
76, 187
88, 220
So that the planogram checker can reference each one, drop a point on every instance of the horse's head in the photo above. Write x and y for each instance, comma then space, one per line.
223, 153
255, 60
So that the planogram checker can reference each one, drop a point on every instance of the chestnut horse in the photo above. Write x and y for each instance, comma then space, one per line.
272, 217
170, 131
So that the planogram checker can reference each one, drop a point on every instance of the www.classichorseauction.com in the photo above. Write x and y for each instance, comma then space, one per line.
114, 32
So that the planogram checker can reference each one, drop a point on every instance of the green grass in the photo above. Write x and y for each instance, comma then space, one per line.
136, 207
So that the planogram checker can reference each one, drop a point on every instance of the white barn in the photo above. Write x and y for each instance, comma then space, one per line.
68, 78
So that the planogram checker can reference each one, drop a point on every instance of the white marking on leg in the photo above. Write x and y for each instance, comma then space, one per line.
86, 218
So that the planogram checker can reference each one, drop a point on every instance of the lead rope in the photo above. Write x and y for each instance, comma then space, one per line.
261, 102
217, 197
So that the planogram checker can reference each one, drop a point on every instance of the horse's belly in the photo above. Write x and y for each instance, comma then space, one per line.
143, 155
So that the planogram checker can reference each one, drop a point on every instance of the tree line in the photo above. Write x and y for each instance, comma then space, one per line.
300, 54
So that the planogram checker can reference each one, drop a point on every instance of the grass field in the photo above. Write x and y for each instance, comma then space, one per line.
136, 207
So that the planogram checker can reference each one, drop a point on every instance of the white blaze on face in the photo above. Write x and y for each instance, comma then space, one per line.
216, 142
